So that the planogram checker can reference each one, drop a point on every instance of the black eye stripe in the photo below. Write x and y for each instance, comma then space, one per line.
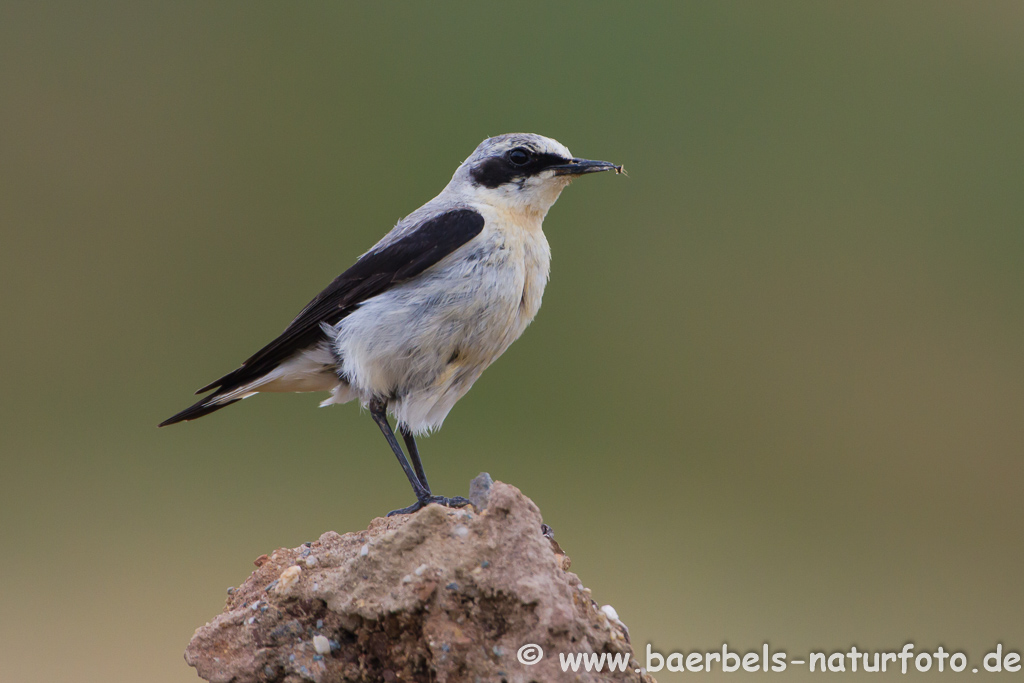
500, 170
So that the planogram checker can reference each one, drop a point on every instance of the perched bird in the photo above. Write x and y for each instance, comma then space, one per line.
415, 321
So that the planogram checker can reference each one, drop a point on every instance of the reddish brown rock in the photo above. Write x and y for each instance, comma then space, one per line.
442, 595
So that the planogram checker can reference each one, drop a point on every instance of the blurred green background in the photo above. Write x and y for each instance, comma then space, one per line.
776, 390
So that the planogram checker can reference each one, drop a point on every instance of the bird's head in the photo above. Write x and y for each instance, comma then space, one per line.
521, 171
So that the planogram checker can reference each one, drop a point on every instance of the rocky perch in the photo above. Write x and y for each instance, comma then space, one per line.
440, 595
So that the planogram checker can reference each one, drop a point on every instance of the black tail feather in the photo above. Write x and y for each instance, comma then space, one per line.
203, 407
222, 382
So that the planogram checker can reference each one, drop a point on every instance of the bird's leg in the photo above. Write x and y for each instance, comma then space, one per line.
378, 410
414, 455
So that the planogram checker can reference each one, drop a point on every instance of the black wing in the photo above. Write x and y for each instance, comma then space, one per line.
372, 274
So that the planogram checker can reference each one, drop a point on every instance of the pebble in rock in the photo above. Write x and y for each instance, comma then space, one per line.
289, 577
321, 645
480, 490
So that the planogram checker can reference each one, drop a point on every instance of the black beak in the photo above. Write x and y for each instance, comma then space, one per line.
581, 166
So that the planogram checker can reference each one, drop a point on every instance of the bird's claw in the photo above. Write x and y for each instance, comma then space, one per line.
455, 502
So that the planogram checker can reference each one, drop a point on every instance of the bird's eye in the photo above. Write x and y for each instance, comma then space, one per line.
519, 156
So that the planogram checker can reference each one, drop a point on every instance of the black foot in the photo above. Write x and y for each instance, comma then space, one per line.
456, 502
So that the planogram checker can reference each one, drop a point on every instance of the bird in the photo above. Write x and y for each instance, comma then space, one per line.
413, 323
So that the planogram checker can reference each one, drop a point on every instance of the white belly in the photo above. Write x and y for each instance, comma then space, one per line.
422, 344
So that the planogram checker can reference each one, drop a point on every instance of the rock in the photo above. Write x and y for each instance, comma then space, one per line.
415, 598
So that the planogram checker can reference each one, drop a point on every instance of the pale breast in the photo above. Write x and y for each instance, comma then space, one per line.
522, 260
